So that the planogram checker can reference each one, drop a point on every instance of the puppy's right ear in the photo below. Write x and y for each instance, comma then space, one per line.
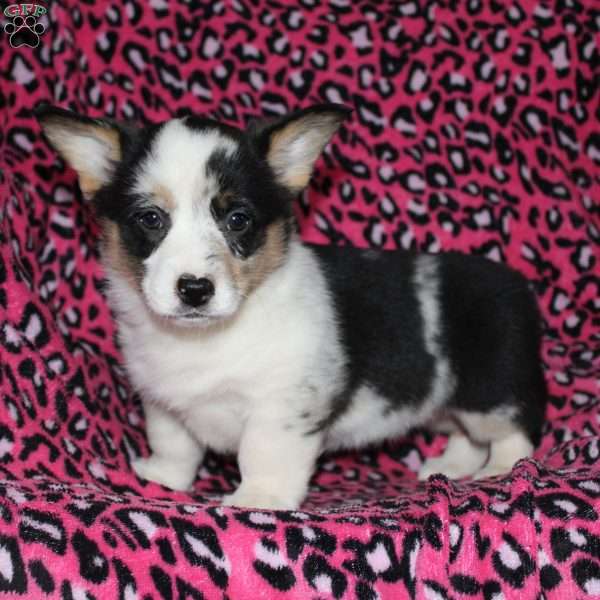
93, 147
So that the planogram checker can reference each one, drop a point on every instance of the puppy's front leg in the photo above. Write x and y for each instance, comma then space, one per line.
176, 455
276, 461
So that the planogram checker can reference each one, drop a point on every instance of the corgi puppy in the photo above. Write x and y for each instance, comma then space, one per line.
241, 338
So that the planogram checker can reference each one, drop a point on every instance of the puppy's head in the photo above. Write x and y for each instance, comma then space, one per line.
196, 214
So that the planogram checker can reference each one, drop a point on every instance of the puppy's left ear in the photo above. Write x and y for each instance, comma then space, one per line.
93, 147
292, 144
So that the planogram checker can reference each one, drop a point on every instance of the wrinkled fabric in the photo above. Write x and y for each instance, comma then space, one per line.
474, 128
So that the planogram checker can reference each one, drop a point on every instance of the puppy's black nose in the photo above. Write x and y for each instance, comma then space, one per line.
195, 292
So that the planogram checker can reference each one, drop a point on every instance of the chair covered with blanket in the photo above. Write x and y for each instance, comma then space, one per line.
475, 127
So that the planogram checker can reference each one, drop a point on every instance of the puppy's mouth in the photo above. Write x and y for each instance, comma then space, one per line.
195, 316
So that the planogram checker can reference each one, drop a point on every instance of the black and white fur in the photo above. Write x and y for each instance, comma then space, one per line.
290, 350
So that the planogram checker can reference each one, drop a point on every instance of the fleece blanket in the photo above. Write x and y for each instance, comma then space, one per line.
475, 128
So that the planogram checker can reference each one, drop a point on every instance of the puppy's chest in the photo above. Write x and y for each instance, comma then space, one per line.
212, 386
201, 390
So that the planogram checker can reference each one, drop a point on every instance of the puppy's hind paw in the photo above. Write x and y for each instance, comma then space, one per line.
440, 464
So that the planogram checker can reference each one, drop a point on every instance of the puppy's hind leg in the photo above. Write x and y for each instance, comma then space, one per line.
508, 442
460, 459
504, 453
176, 455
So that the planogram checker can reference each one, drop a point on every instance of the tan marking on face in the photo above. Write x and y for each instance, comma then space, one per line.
222, 199
114, 255
250, 273
163, 197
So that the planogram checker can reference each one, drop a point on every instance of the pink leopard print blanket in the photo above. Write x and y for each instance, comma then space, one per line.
475, 128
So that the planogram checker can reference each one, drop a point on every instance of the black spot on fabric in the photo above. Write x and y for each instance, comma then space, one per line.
357, 168
402, 119
360, 566
300, 84
365, 592
281, 577
411, 546
201, 547
561, 544
563, 506
592, 146
418, 79
33, 325
478, 135
297, 538
482, 542
41, 576
471, 504
125, 579
162, 581
7, 440
32, 444
491, 589
432, 527
456, 539
586, 574
552, 189
140, 521
43, 527
369, 114
503, 110
13, 578
391, 64
522, 55
549, 577
465, 584
186, 591
70, 591
588, 486
106, 44
316, 566
512, 562
93, 565
412, 181
438, 176
110, 539
256, 520
166, 551
434, 589
88, 512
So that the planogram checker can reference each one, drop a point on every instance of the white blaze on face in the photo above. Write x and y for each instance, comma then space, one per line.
174, 176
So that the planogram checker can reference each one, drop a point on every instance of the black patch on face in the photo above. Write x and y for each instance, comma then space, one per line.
141, 241
117, 203
245, 183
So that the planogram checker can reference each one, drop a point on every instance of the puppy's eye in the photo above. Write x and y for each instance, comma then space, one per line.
238, 221
150, 219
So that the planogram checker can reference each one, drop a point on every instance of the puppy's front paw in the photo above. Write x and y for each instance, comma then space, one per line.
165, 471
248, 497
